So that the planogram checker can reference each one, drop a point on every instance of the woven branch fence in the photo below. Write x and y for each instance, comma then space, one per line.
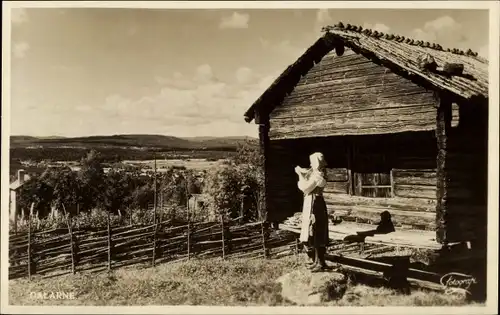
60, 251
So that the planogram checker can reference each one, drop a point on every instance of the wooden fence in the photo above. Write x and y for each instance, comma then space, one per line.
59, 251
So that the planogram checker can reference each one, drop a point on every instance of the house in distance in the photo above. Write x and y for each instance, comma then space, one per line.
14, 191
403, 125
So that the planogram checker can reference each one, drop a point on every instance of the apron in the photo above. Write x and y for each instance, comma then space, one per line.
306, 218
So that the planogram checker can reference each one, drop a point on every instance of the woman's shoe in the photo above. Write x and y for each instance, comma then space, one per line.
320, 268
316, 268
312, 266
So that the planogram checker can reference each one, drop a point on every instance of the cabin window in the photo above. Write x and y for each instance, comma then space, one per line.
371, 176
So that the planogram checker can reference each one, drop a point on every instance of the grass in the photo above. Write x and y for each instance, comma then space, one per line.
202, 282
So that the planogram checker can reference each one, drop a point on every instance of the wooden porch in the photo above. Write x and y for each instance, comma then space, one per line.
404, 238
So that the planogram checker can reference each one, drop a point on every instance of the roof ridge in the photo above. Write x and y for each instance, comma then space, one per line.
399, 38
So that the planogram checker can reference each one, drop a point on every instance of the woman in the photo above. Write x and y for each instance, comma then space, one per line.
314, 229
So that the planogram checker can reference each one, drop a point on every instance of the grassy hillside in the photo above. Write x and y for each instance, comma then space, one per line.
138, 141
204, 282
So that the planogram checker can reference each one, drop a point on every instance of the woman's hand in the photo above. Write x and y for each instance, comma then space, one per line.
313, 219
298, 170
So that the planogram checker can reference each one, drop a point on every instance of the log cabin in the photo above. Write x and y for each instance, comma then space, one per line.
403, 125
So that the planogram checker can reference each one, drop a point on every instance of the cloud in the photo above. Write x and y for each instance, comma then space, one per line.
443, 30
236, 21
380, 27
244, 75
204, 73
19, 15
19, 49
199, 104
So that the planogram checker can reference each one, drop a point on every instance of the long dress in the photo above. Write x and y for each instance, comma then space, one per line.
316, 234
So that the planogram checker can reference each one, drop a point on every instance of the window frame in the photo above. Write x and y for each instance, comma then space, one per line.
355, 189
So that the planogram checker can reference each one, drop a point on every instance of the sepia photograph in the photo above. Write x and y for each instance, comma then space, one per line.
249, 157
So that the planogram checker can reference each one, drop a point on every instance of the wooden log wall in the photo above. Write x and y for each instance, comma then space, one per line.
410, 159
466, 169
350, 95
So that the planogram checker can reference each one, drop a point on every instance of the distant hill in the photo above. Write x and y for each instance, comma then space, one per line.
130, 141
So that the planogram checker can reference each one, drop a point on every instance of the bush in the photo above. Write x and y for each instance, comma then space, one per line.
228, 186
98, 219
223, 191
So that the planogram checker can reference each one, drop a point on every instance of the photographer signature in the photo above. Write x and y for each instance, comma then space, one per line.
455, 281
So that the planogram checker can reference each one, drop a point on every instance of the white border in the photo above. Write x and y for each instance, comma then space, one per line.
493, 180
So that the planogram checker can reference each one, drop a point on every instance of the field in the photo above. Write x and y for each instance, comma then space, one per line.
196, 164
35, 154
203, 282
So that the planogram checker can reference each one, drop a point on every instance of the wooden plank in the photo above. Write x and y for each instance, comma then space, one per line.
70, 232
385, 127
377, 269
336, 174
337, 187
264, 239
378, 84
264, 151
29, 242
397, 203
223, 236
443, 119
153, 259
412, 239
401, 219
355, 117
415, 191
109, 241
330, 72
420, 181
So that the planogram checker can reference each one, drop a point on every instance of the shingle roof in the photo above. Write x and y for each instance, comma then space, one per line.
16, 184
394, 51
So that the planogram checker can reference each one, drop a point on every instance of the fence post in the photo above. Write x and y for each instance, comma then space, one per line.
70, 232
264, 247
188, 240
109, 241
188, 222
154, 243
29, 247
222, 233
242, 205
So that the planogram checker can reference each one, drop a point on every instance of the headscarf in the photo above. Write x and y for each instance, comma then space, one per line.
318, 162
318, 165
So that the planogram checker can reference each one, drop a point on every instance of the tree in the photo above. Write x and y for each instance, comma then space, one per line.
142, 196
248, 152
173, 187
223, 189
249, 164
66, 190
91, 177
38, 192
117, 194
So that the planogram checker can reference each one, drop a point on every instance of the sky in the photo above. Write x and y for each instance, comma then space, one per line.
105, 71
